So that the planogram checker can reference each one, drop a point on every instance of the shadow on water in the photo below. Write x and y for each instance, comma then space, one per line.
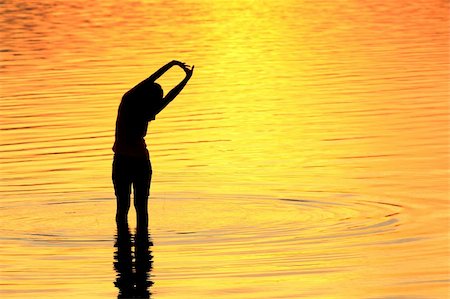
133, 263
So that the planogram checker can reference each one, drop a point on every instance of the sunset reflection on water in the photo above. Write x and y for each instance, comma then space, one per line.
306, 158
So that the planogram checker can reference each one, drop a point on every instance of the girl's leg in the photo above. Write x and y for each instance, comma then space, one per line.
141, 193
122, 188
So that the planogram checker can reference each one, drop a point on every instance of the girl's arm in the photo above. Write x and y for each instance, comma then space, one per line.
162, 70
177, 89
156, 75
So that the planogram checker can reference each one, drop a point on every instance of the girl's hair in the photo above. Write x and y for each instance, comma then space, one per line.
156, 91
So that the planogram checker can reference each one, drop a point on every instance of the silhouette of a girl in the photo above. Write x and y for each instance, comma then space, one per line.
131, 165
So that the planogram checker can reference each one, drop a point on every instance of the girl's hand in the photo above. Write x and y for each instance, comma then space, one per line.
189, 70
179, 63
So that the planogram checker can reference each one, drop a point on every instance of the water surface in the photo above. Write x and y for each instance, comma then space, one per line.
306, 158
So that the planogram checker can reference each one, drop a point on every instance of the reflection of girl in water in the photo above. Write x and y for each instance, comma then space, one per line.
131, 165
133, 275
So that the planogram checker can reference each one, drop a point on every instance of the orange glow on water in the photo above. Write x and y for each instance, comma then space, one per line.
306, 158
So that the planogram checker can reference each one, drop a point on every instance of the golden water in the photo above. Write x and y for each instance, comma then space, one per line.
306, 158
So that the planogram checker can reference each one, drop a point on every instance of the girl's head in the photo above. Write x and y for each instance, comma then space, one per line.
151, 101
156, 92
